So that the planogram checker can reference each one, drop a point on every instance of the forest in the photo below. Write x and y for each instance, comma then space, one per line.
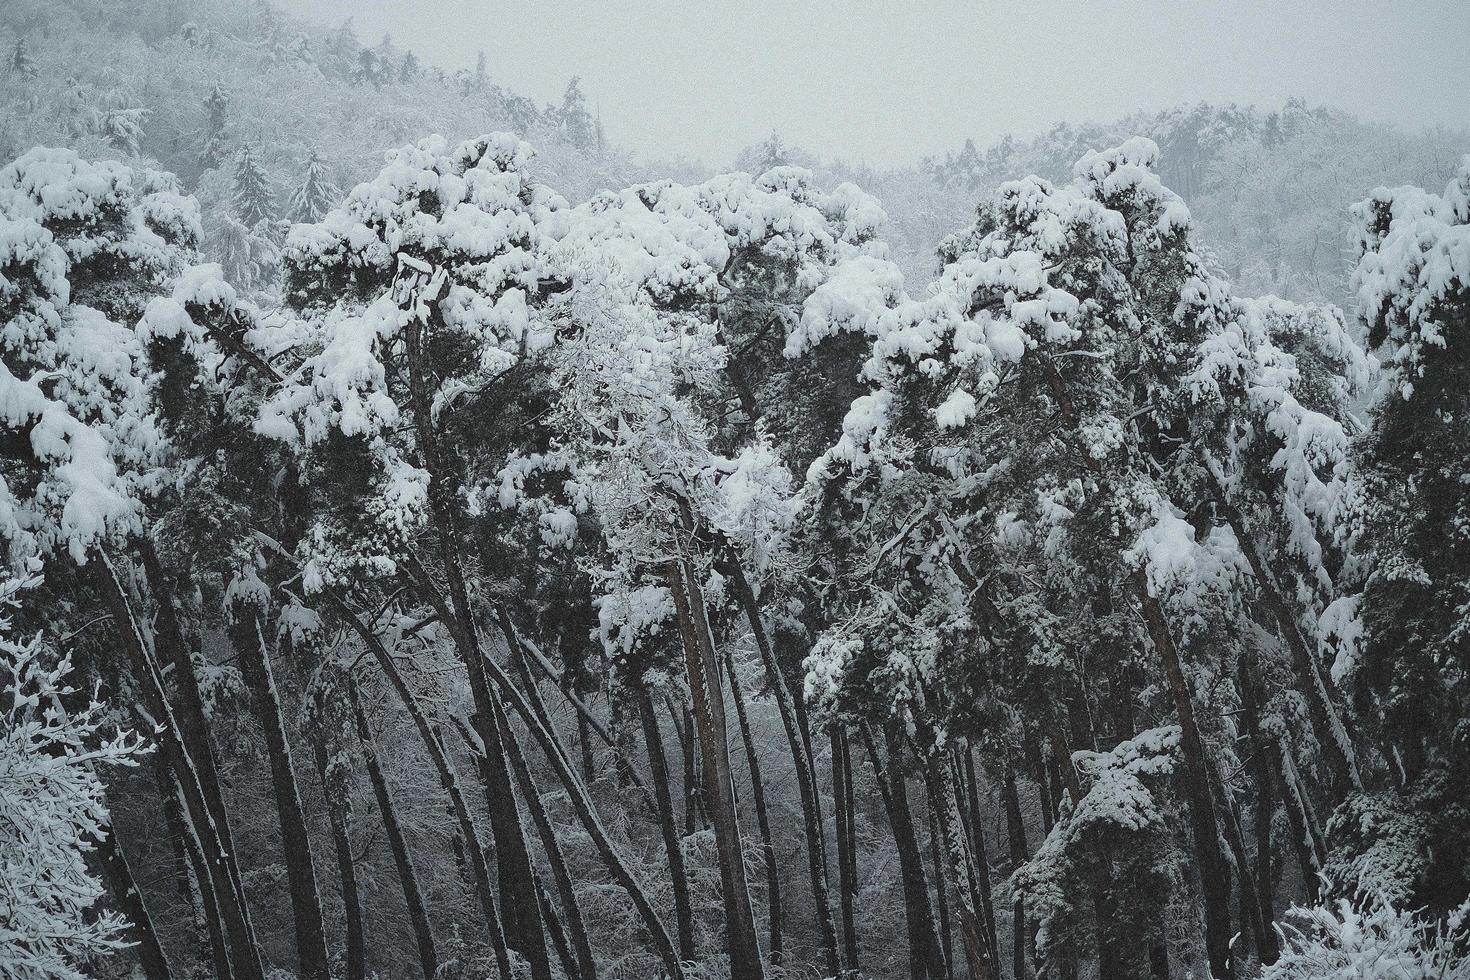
442, 543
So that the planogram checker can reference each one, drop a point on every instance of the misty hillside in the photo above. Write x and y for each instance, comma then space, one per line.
186, 86
441, 542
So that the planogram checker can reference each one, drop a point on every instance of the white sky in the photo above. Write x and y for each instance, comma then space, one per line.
886, 81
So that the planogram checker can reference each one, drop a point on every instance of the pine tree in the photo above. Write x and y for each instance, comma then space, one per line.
252, 200
21, 62
316, 195
216, 120
573, 118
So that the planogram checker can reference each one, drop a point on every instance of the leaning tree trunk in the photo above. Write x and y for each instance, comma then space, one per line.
703, 677
354, 960
792, 723
926, 960
576, 928
523, 925
448, 779
958, 864
673, 847
229, 895
129, 900
1262, 771
306, 906
1214, 869
762, 817
582, 804
418, 917
1325, 718
219, 946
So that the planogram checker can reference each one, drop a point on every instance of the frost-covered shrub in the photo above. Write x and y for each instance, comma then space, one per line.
52, 813
1371, 941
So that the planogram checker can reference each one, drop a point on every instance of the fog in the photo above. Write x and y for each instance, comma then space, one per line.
883, 83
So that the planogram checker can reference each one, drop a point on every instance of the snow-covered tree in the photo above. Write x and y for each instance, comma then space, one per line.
20, 62
216, 122
253, 201
317, 194
1403, 639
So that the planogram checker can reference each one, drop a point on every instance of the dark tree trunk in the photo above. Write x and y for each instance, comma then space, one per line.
229, 895
582, 804
683, 723
976, 829
958, 863
574, 927
1327, 724
673, 847
1020, 851
219, 947
418, 917
762, 817
1262, 770
941, 894
306, 906
1306, 841
523, 928
1214, 869
846, 865
798, 738
926, 960
129, 900
703, 677
354, 960
448, 779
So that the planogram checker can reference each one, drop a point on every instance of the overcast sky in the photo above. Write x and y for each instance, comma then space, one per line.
887, 81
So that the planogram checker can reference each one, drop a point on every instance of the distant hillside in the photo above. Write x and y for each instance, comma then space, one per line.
187, 85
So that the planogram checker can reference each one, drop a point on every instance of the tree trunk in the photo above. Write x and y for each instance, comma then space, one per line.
1214, 869
941, 894
219, 947
1262, 770
703, 676
926, 960
129, 900
684, 729
523, 928
762, 816
586, 719
846, 865
418, 917
958, 864
354, 960
1016, 834
228, 893
306, 906
793, 723
581, 802
1306, 840
976, 829
658, 767
575, 927
448, 779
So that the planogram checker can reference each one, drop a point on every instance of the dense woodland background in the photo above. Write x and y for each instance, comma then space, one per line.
581, 564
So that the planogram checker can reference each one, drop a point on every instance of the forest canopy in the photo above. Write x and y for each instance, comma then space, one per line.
441, 543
